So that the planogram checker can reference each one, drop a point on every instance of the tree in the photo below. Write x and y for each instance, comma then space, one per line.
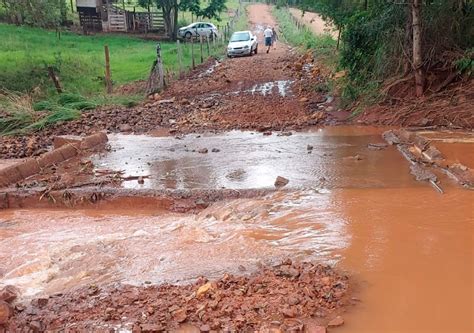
417, 47
44, 13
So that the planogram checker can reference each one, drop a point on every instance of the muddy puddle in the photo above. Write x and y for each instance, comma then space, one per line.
329, 158
408, 248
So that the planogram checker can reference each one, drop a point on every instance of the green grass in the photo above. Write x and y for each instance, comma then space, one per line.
79, 60
323, 45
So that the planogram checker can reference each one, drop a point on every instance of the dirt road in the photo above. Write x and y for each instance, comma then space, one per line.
315, 22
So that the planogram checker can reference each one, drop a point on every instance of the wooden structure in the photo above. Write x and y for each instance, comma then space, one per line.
103, 15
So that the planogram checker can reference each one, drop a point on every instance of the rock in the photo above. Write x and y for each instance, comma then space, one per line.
215, 150
204, 328
156, 96
289, 312
293, 300
42, 302
281, 181
203, 289
203, 151
125, 128
304, 100
312, 326
141, 180
151, 328
8, 293
267, 133
309, 147
338, 321
180, 315
5, 312
377, 146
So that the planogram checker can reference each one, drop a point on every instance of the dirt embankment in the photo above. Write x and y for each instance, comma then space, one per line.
451, 108
289, 297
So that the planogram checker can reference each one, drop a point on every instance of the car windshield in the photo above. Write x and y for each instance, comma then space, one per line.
240, 37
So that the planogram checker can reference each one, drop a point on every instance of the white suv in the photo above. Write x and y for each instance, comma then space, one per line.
197, 29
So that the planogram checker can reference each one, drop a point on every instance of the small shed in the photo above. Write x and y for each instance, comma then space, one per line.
90, 16
103, 15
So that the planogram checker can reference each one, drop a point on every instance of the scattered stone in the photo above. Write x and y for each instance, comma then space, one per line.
9, 294
203, 151
151, 328
309, 147
355, 157
141, 180
203, 289
5, 312
180, 315
338, 321
281, 181
391, 137
125, 128
267, 133
304, 100
377, 146
215, 150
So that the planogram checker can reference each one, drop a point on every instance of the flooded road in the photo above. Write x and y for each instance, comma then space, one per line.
330, 158
408, 248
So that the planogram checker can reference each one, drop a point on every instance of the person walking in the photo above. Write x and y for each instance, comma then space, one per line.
274, 38
268, 34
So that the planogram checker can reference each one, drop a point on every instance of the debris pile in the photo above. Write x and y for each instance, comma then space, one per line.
286, 297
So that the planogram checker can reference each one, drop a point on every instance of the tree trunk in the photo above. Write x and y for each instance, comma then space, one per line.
417, 47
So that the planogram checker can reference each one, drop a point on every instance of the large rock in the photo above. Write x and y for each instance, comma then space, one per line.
281, 182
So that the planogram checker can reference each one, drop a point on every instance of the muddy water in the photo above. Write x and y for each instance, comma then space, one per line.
409, 249
339, 158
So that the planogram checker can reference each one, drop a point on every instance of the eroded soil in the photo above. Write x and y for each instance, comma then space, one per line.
273, 298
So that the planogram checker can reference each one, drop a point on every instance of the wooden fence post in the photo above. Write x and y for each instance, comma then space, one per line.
208, 48
180, 64
200, 45
108, 79
192, 52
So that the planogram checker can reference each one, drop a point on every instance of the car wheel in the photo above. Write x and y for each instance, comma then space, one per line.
188, 35
256, 50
